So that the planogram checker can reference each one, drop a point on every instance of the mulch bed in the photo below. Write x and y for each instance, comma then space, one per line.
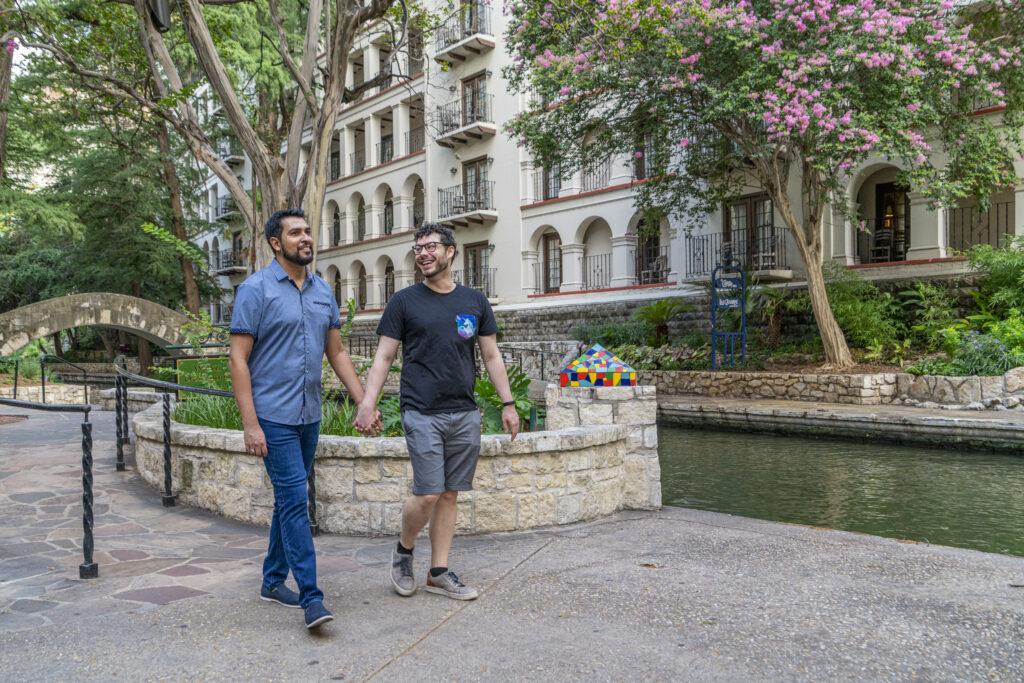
8, 419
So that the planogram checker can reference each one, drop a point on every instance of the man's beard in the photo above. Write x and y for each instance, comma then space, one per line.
296, 259
439, 267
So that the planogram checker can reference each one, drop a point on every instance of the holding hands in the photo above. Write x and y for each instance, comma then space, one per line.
368, 420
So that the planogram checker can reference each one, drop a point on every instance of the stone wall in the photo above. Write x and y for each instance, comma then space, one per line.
971, 393
561, 476
138, 399
55, 393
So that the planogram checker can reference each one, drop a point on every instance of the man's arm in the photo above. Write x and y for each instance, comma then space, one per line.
387, 348
241, 384
345, 369
495, 365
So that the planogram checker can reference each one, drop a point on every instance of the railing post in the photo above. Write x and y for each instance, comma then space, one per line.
42, 375
17, 367
85, 385
88, 569
314, 528
124, 411
168, 496
118, 407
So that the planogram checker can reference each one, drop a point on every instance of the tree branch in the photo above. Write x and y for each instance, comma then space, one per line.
301, 76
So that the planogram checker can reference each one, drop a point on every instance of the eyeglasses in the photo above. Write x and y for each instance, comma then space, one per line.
429, 247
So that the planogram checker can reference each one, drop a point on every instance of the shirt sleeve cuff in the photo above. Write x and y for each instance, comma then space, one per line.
243, 330
336, 325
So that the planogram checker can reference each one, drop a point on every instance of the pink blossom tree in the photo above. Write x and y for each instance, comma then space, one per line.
787, 95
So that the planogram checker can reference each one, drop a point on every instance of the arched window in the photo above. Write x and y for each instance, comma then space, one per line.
361, 222
336, 227
361, 294
417, 204
337, 288
389, 213
389, 282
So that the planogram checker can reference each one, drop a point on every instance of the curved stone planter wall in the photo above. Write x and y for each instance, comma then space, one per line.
540, 479
1005, 391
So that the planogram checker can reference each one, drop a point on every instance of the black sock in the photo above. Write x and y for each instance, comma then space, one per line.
437, 571
402, 550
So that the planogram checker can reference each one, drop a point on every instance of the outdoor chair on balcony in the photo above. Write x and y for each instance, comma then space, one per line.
458, 204
654, 273
766, 260
881, 246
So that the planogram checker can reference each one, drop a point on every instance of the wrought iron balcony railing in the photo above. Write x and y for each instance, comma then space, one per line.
465, 198
414, 140
597, 176
358, 161
385, 151
765, 251
230, 258
546, 185
478, 278
652, 265
968, 226
597, 271
470, 108
471, 19
225, 209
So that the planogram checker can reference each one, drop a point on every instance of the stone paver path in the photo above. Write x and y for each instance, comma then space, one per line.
677, 594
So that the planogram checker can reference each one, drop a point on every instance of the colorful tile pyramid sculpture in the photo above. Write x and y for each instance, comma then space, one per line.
598, 367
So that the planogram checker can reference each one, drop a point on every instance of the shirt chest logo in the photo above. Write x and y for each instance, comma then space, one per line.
466, 325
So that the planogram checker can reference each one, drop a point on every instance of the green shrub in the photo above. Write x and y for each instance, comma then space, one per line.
610, 334
865, 314
488, 400
658, 315
933, 310
984, 354
931, 366
209, 411
1002, 274
1010, 331
662, 357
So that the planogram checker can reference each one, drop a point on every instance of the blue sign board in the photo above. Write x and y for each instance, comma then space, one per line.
728, 292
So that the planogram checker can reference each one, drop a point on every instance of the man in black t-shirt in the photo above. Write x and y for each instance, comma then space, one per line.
437, 323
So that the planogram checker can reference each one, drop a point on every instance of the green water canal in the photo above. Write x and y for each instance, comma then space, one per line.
963, 499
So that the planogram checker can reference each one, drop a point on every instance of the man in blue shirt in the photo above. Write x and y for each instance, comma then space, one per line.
283, 320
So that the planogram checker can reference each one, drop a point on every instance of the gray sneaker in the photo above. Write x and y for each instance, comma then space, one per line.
401, 573
449, 584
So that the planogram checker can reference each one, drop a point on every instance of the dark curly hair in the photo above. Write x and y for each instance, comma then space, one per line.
273, 226
446, 234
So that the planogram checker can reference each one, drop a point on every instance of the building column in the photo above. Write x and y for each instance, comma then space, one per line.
927, 237
1018, 212
623, 262
348, 228
572, 268
402, 208
400, 128
529, 261
349, 134
371, 136
371, 61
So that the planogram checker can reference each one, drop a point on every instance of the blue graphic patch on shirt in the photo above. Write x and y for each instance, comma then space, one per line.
466, 325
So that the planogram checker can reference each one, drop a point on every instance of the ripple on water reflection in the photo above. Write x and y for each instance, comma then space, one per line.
964, 499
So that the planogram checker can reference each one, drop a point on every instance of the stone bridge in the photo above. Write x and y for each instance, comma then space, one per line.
151, 321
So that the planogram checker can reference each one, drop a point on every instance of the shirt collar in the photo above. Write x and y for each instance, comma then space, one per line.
280, 274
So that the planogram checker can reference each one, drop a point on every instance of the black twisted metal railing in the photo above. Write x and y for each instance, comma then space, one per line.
168, 494
88, 569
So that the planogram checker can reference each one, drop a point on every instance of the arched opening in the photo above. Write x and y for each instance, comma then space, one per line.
336, 227
651, 254
361, 289
883, 234
418, 211
337, 287
597, 255
361, 221
389, 282
389, 213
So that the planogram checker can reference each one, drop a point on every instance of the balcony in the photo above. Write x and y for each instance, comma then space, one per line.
969, 226
225, 209
335, 165
596, 176
652, 265
597, 271
465, 35
385, 150
546, 185
466, 119
229, 261
358, 161
467, 203
481, 279
763, 256
883, 240
414, 140
230, 151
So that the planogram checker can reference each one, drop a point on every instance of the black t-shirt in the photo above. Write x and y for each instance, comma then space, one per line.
437, 332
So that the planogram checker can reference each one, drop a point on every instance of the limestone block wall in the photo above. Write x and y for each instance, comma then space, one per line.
55, 393
138, 399
633, 407
545, 478
973, 393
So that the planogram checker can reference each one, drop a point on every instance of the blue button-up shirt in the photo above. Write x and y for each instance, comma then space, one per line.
290, 331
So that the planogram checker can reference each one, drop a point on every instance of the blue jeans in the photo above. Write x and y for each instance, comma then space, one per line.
290, 450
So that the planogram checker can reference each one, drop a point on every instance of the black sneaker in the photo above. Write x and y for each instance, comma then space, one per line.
282, 595
317, 614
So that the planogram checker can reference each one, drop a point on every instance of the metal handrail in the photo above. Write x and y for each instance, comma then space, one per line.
42, 373
88, 569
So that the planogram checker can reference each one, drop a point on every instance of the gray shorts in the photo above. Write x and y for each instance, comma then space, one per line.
443, 448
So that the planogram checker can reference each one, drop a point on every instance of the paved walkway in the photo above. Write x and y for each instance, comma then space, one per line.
676, 594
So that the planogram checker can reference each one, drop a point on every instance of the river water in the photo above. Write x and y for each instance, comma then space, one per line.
946, 497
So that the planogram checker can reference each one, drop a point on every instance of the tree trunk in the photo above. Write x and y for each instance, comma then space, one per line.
6, 60
56, 343
109, 344
145, 354
188, 274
